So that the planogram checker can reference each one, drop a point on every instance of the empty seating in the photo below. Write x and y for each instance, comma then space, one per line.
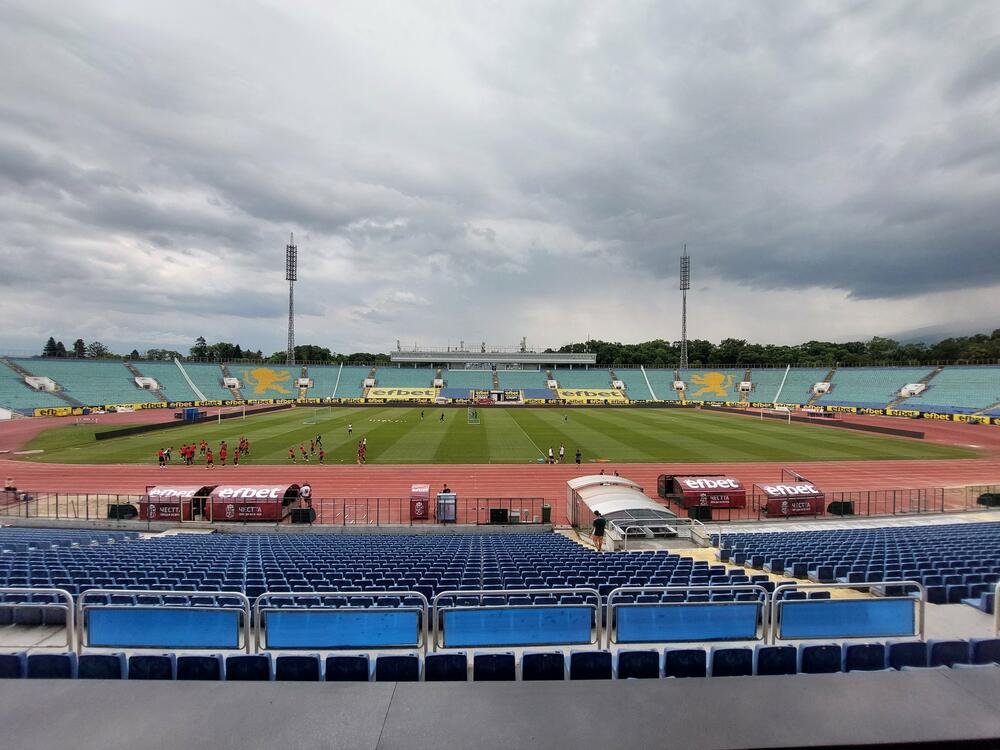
93, 383
151, 667
590, 665
397, 668
872, 387
199, 667
493, 667
543, 666
446, 668
297, 668
248, 668
342, 668
684, 662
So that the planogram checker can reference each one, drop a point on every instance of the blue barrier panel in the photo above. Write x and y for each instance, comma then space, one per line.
342, 628
650, 623
151, 627
847, 618
516, 626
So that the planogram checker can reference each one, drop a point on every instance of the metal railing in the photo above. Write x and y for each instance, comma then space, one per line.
82, 607
675, 526
261, 610
591, 599
778, 602
763, 601
68, 607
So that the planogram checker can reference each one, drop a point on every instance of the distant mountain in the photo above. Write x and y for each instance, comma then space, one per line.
931, 335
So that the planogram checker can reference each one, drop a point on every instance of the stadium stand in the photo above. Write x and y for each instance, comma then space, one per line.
872, 387
352, 380
93, 383
635, 384
766, 383
953, 561
962, 388
208, 378
15, 395
172, 382
711, 385
405, 377
596, 378
662, 383
324, 379
479, 379
521, 379
798, 385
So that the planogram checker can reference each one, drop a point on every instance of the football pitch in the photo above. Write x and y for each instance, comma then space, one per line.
401, 435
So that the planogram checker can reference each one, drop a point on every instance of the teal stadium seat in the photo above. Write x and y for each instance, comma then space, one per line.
521, 379
662, 383
963, 387
480, 379
171, 380
208, 378
405, 377
599, 377
635, 384
872, 387
352, 378
712, 384
797, 387
17, 396
93, 383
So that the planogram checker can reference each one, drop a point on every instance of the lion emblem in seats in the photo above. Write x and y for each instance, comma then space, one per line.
714, 383
264, 379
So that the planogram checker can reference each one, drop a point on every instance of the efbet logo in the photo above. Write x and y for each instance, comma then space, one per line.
714, 383
264, 379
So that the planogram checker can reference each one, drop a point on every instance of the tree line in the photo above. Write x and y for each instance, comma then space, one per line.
980, 347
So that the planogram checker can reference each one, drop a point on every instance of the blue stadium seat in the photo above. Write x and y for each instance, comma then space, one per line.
101, 667
297, 668
51, 666
907, 654
638, 664
864, 657
684, 662
207, 667
590, 665
984, 650
345, 668
547, 665
819, 659
397, 668
151, 667
731, 662
12, 666
947, 653
248, 668
446, 667
775, 660
493, 667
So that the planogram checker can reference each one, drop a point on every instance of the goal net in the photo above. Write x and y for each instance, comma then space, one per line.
473, 415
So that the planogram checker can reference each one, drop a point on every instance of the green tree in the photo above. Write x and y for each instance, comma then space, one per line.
200, 348
79, 349
60, 349
50, 349
97, 350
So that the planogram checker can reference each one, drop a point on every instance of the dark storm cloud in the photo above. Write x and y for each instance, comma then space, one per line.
154, 158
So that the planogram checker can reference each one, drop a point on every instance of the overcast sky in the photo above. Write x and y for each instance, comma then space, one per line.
487, 170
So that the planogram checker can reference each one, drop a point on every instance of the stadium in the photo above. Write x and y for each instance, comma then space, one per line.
668, 543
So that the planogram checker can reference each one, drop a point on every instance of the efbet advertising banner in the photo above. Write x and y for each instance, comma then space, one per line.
54, 411
380, 395
591, 395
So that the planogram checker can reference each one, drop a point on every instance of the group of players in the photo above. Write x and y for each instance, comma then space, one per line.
189, 453
315, 447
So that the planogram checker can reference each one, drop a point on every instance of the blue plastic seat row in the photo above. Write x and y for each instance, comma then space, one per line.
718, 661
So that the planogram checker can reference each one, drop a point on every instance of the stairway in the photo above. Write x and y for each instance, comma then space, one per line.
744, 397
59, 393
303, 373
681, 395
829, 375
235, 391
925, 380
135, 371
986, 409
496, 381
438, 376
548, 376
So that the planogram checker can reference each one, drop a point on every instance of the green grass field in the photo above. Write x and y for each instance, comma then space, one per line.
399, 435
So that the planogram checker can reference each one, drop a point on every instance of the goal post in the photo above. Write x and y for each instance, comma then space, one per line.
232, 410
473, 415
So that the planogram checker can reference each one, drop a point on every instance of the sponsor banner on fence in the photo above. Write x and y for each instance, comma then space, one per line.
911, 413
54, 411
591, 395
381, 395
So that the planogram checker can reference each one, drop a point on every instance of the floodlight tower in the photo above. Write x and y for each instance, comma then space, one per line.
685, 285
291, 275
